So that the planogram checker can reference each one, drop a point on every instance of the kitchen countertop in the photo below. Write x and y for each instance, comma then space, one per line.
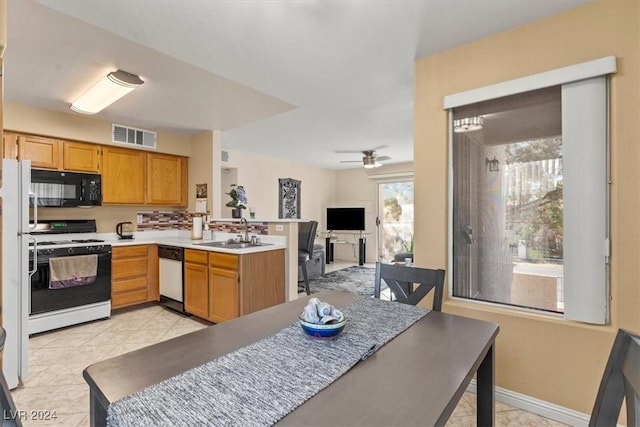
183, 240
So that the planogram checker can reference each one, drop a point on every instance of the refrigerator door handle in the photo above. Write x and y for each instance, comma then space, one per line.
35, 256
33, 225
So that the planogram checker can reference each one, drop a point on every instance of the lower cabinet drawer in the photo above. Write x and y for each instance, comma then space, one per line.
126, 285
128, 298
128, 267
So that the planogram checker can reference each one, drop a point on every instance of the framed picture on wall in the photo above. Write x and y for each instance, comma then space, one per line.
289, 198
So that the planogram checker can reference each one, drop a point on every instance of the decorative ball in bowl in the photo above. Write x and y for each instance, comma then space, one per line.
323, 331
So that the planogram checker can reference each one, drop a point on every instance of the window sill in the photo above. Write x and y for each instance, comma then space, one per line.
456, 305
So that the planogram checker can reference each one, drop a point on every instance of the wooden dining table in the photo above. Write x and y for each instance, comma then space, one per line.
417, 378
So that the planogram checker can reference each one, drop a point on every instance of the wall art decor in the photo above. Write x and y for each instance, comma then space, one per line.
289, 203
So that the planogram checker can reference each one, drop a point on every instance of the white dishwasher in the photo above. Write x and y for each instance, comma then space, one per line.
171, 277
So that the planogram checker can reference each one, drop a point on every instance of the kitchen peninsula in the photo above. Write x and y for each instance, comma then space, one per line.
221, 282
274, 230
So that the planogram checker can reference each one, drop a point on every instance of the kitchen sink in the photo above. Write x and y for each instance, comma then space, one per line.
232, 244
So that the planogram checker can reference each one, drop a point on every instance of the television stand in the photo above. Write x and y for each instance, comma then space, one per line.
330, 241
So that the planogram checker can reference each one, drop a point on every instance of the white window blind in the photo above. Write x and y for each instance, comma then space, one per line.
584, 138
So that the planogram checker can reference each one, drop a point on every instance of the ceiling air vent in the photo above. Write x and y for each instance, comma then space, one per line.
133, 136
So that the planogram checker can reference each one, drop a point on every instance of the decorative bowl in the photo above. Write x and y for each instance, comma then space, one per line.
323, 331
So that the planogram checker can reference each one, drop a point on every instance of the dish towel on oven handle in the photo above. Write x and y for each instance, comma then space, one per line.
259, 384
70, 271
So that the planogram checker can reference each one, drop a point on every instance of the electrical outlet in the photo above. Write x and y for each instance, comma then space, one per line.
279, 227
139, 219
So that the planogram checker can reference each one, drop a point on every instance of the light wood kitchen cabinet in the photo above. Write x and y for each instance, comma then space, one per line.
166, 180
196, 283
242, 284
224, 287
9, 145
123, 176
81, 157
134, 275
44, 153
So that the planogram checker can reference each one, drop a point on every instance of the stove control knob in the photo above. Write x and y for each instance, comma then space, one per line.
70, 250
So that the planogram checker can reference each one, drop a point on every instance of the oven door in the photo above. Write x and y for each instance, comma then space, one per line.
44, 299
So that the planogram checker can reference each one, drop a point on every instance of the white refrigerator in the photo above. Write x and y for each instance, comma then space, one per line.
16, 276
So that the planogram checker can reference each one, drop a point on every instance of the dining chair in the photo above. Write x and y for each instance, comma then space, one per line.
402, 282
620, 381
306, 238
10, 416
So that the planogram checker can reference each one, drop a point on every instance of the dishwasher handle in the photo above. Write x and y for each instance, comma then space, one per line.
170, 252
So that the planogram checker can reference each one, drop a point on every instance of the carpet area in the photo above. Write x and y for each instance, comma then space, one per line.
356, 280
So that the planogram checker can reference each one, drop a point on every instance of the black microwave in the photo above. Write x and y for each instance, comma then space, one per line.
66, 189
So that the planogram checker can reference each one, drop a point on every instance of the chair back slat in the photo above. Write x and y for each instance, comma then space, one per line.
620, 381
402, 282
307, 236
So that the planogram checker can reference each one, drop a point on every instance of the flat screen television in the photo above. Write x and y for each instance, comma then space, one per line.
339, 219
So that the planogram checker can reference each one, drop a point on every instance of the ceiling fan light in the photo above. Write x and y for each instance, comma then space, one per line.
468, 124
106, 91
369, 162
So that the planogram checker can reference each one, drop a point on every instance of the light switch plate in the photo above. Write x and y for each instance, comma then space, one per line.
279, 227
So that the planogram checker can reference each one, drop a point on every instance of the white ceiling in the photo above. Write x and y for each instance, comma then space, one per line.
289, 79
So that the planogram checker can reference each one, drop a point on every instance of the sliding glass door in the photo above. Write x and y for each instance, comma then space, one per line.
395, 218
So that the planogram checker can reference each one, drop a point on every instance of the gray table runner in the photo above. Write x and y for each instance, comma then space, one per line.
259, 384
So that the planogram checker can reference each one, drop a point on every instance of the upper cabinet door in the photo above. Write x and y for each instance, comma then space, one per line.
166, 180
9, 146
81, 157
123, 173
44, 153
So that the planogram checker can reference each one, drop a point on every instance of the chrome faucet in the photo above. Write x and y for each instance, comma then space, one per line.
246, 229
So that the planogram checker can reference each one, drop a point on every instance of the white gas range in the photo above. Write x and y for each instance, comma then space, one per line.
70, 275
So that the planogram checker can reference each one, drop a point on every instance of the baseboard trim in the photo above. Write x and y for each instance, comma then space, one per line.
537, 406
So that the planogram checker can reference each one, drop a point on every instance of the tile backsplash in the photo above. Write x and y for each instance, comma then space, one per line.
181, 220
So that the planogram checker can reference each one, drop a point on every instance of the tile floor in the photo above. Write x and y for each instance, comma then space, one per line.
57, 358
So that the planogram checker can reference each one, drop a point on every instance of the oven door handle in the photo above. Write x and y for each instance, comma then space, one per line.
35, 256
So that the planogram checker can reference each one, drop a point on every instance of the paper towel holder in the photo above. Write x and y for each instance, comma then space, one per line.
196, 227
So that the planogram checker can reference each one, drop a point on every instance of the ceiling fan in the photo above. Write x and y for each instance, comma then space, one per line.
369, 159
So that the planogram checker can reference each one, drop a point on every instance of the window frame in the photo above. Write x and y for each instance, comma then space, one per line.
571, 74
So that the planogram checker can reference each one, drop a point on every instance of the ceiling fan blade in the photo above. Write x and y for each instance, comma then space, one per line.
348, 151
383, 158
380, 147
350, 161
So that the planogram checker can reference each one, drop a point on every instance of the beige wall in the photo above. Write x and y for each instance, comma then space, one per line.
358, 187
106, 216
22, 118
355, 189
259, 175
201, 168
38, 121
550, 359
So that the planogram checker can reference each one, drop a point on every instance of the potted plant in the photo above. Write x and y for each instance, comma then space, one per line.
238, 199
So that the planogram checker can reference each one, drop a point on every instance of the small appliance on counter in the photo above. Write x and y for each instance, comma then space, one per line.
124, 230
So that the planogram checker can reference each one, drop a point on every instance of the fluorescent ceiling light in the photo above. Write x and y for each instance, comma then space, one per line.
105, 92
